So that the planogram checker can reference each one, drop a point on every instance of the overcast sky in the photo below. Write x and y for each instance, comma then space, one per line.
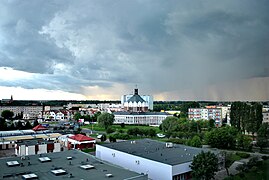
101, 49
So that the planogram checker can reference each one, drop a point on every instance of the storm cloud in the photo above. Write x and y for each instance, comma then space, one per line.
175, 50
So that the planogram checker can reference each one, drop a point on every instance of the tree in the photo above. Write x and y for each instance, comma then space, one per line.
35, 123
103, 138
211, 123
95, 116
222, 138
7, 114
170, 124
77, 116
27, 125
262, 136
3, 125
185, 107
243, 142
196, 141
19, 125
105, 120
122, 125
204, 165
228, 161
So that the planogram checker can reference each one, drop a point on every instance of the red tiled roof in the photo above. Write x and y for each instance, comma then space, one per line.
39, 128
80, 137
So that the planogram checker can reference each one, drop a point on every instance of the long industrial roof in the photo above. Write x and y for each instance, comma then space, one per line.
157, 151
62, 165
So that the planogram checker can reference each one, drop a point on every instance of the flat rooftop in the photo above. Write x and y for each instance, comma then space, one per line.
28, 137
140, 113
61, 165
32, 142
157, 151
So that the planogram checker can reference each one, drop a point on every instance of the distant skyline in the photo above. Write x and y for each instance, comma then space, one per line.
99, 50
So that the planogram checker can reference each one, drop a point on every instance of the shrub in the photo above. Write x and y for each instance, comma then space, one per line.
265, 157
178, 141
109, 130
242, 154
252, 162
112, 139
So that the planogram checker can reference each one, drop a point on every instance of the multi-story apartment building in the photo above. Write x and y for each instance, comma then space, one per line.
265, 117
206, 114
225, 113
28, 112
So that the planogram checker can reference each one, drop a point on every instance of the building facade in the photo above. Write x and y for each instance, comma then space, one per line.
32, 147
145, 118
206, 114
265, 116
147, 99
28, 112
158, 160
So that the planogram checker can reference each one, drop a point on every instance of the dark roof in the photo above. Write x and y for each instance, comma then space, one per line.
34, 142
157, 151
136, 98
59, 160
140, 113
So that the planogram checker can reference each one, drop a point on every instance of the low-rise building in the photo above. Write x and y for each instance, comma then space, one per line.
9, 138
80, 141
145, 118
36, 146
159, 160
72, 164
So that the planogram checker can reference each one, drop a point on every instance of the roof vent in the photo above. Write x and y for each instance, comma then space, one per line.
86, 167
109, 175
29, 176
58, 172
44, 159
169, 145
13, 163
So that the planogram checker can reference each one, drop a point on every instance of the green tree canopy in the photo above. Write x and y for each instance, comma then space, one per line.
105, 119
204, 165
7, 114
170, 124
77, 116
263, 136
196, 141
223, 138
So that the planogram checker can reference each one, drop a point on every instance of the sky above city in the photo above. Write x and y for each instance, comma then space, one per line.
100, 49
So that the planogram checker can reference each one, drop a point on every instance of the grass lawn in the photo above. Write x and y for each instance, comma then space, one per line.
235, 157
89, 150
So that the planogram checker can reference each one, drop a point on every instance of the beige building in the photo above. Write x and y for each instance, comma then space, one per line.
28, 112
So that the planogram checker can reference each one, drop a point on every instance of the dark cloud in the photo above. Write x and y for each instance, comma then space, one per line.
164, 46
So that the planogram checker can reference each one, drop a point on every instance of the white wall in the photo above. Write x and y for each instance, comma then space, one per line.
22, 150
30, 150
42, 149
57, 147
181, 168
155, 170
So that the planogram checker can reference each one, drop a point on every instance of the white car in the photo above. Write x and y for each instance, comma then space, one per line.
160, 135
